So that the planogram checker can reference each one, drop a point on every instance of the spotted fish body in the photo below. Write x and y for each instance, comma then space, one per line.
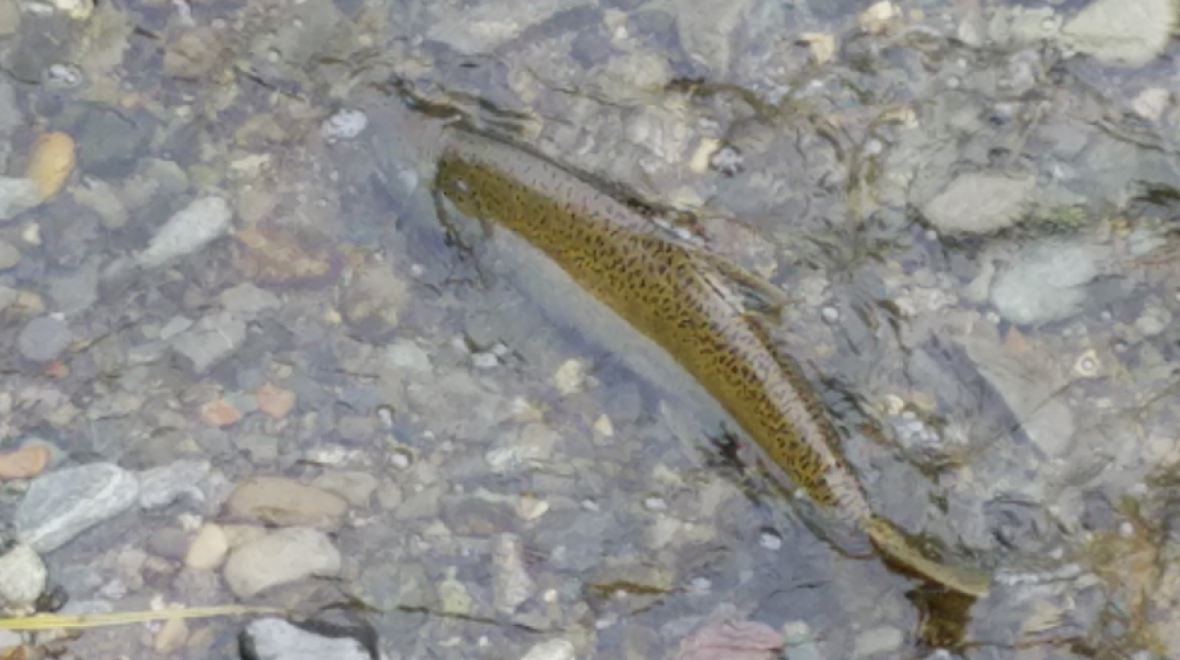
689, 304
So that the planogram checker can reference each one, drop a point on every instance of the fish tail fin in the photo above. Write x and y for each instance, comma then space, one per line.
899, 548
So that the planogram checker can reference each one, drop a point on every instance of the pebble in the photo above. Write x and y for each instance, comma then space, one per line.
882, 639
272, 638
570, 376
208, 548
274, 400
1047, 282
800, 641
51, 162
1129, 33
9, 255
61, 505
9, 23
44, 339
10, 639
163, 485
282, 501
279, 558
211, 340
980, 203
190, 229
171, 636
101, 198
356, 487
220, 412
511, 583
24, 463
344, 125
553, 649
246, 300
406, 355
22, 577
17, 195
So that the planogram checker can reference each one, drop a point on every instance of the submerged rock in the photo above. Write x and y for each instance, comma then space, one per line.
980, 202
61, 505
279, 558
1047, 282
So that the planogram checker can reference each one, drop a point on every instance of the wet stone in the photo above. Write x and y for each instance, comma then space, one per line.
44, 339
276, 639
553, 649
101, 198
281, 501
980, 202
511, 583
63, 504
169, 543
76, 291
9, 255
877, 641
161, 486
1047, 282
246, 300
109, 141
208, 548
211, 340
388, 585
22, 577
190, 229
17, 196
356, 487
279, 558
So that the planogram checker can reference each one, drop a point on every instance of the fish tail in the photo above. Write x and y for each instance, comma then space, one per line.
897, 547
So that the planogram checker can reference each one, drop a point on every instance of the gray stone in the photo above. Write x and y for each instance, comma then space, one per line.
44, 338
163, 485
405, 355
9, 22
800, 642
875, 641
247, 300
487, 25
76, 291
190, 229
61, 505
388, 585
552, 649
356, 487
980, 203
101, 197
1030, 393
17, 196
279, 558
275, 639
8, 296
212, 339
9, 255
110, 141
1047, 281
1127, 33
22, 577
511, 583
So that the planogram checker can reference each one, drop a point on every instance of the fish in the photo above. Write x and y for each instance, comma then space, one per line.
692, 305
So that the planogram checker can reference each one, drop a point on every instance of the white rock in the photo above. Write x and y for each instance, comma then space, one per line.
189, 230
1127, 33
22, 576
554, 649
980, 202
17, 196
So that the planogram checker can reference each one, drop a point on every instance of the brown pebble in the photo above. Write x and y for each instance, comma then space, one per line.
220, 412
24, 463
51, 162
274, 400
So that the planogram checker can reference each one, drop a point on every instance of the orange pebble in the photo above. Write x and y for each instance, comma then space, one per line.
24, 463
51, 162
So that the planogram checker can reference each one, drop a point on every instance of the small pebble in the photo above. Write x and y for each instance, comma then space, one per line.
220, 412
208, 549
830, 314
22, 577
554, 649
344, 125
279, 558
51, 162
44, 339
24, 463
274, 401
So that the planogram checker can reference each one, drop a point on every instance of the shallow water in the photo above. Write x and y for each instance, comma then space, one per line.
976, 224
